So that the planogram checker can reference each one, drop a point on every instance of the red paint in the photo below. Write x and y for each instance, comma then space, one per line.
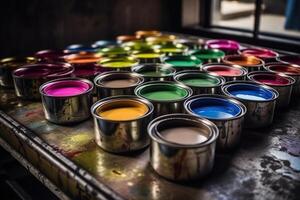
88, 70
271, 79
260, 53
225, 70
286, 69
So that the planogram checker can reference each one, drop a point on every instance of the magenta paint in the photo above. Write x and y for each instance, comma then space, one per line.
66, 88
225, 45
88, 70
259, 52
50, 55
223, 70
44, 70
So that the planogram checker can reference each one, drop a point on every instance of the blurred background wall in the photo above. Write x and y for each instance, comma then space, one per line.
31, 25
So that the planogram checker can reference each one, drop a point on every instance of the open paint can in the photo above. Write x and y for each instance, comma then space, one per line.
282, 83
114, 52
227, 113
117, 83
126, 38
289, 59
251, 63
80, 48
259, 99
165, 39
155, 71
266, 55
227, 71
170, 49
8, 65
182, 62
142, 34
29, 78
119, 64
190, 43
147, 56
120, 123
182, 146
67, 101
49, 55
227, 46
167, 97
200, 82
290, 70
100, 44
208, 55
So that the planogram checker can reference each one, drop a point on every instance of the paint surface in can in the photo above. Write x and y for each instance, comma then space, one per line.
118, 64
215, 108
250, 92
186, 135
269, 79
154, 73
201, 81
66, 88
165, 95
119, 83
225, 71
147, 55
261, 53
123, 112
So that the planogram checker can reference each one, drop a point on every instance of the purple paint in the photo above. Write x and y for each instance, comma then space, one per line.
66, 88
88, 70
226, 45
50, 55
44, 70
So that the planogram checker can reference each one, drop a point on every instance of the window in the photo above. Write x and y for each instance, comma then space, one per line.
273, 23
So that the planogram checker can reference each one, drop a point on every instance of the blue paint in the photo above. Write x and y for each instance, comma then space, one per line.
75, 48
214, 108
250, 92
104, 43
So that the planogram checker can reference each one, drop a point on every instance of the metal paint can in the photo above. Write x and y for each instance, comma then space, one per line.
228, 46
227, 71
142, 34
77, 48
29, 78
251, 63
282, 83
8, 65
120, 123
67, 100
208, 55
266, 55
136, 45
190, 43
227, 113
114, 52
182, 146
259, 99
161, 39
117, 83
182, 62
155, 71
200, 82
126, 38
119, 64
100, 44
166, 96
290, 70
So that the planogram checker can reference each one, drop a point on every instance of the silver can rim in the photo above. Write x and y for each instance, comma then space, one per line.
162, 65
243, 69
268, 65
292, 81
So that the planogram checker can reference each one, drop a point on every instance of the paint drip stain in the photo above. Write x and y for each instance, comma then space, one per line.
289, 160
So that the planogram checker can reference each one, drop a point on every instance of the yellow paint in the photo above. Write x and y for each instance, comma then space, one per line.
124, 113
147, 55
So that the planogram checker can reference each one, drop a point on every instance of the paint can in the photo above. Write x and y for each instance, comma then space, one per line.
208, 55
227, 71
119, 64
228, 46
251, 63
183, 62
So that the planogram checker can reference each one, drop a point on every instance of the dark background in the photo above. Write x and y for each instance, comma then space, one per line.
31, 25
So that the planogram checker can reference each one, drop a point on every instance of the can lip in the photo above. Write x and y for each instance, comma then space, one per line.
191, 73
243, 70
223, 44
257, 86
104, 75
126, 38
138, 89
114, 50
42, 87
82, 58
103, 43
73, 48
259, 52
50, 53
140, 67
5, 61
242, 107
68, 70
289, 59
291, 80
119, 98
216, 53
288, 69
188, 118
147, 33
231, 59
133, 62
194, 59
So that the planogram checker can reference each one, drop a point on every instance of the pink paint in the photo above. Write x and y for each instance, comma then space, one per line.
223, 45
44, 70
88, 70
224, 70
260, 53
66, 88
271, 79
284, 68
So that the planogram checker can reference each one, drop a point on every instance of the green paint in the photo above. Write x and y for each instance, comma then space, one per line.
163, 92
200, 82
183, 61
207, 54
